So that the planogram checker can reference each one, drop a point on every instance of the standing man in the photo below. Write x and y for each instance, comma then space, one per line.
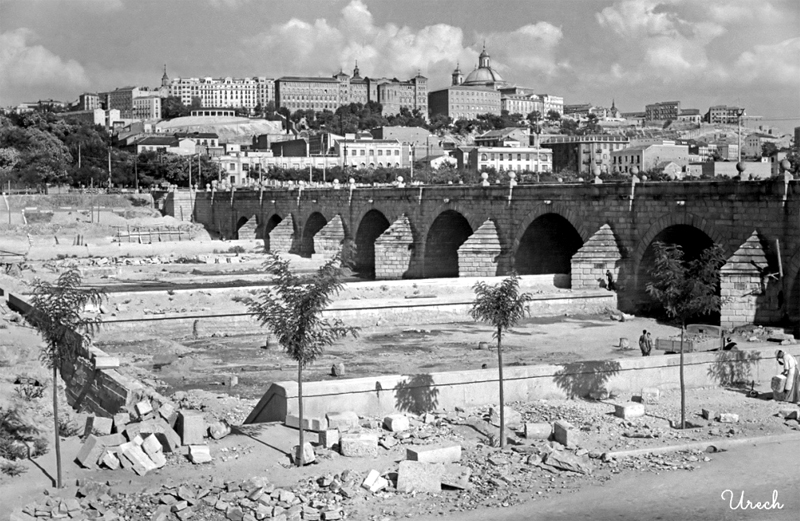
789, 364
643, 343
649, 344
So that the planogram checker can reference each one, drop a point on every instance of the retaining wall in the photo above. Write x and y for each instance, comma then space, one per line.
376, 396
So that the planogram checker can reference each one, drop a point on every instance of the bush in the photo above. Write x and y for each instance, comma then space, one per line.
29, 388
9, 468
236, 249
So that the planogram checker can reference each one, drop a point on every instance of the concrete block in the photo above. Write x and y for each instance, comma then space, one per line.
112, 440
159, 460
456, 476
538, 431
167, 412
446, 453
139, 462
396, 422
728, 417
151, 445
144, 408
308, 454
191, 427
513, 418
380, 484
789, 414
329, 437
109, 460
359, 445
132, 430
416, 476
312, 423
231, 380
629, 410
120, 421
650, 395
199, 454
370, 480
168, 437
565, 433
90, 452
708, 414
342, 420
106, 362
98, 425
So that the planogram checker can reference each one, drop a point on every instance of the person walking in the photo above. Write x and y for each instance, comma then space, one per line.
643, 343
790, 389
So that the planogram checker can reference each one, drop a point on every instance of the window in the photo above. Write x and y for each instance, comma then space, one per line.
380, 152
363, 152
232, 166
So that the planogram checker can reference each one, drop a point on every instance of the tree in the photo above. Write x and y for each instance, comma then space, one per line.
553, 115
292, 311
686, 289
173, 107
58, 315
502, 306
768, 149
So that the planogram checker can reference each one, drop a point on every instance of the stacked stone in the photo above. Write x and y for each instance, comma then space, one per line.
478, 256
248, 230
393, 250
328, 241
741, 285
281, 237
598, 255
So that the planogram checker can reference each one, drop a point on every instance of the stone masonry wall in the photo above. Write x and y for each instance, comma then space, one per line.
282, 236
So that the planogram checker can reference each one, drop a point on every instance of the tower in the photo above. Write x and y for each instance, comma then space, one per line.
483, 59
164, 77
458, 78
356, 74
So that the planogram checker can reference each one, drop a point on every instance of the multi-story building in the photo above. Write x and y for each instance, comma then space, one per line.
723, 115
361, 152
583, 154
521, 104
464, 102
551, 102
662, 111
121, 99
147, 107
513, 136
232, 92
315, 93
649, 157
690, 116
507, 159
88, 101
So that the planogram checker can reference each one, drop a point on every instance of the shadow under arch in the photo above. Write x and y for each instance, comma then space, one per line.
547, 246
371, 226
446, 234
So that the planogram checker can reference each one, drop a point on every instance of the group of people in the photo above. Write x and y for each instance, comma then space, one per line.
646, 343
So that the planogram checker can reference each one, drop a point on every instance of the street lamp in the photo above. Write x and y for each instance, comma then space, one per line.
739, 114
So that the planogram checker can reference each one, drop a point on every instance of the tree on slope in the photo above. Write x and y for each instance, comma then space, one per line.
292, 311
58, 315
502, 306
686, 289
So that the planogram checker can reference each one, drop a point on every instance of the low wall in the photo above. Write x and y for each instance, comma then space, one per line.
376, 396
357, 313
102, 392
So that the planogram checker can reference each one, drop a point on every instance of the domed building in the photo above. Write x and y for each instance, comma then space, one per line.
483, 75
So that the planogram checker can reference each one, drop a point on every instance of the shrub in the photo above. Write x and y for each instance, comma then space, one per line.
9, 468
236, 249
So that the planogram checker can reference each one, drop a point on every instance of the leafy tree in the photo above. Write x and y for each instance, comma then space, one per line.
686, 289
502, 306
553, 115
292, 311
439, 123
768, 149
58, 315
173, 107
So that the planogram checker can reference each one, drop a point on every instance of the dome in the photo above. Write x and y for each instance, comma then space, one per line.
483, 76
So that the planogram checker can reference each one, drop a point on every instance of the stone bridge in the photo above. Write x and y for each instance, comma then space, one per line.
583, 230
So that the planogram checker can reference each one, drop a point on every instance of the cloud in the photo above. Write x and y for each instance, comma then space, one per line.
105, 5
26, 70
776, 64
323, 46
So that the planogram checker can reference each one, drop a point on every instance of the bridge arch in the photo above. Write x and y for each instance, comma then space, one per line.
262, 232
547, 245
370, 226
247, 226
444, 236
311, 226
692, 233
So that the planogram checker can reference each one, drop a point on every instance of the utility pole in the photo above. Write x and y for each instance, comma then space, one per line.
109, 167
136, 172
79, 156
740, 113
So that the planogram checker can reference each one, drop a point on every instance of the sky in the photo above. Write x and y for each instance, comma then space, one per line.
701, 52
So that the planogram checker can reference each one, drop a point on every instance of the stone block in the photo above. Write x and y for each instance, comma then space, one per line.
513, 418
342, 420
120, 421
456, 476
151, 445
106, 362
538, 431
218, 430
565, 433
329, 437
708, 414
109, 460
380, 484
191, 427
445, 453
359, 445
417, 476
231, 380
159, 460
372, 477
308, 454
167, 412
396, 422
132, 430
312, 423
90, 452
199, 454
728, 417
98, 425
112, 440
144, 408
566, 461
629, 410
140, 463
789, 414
168, 437
650, 395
